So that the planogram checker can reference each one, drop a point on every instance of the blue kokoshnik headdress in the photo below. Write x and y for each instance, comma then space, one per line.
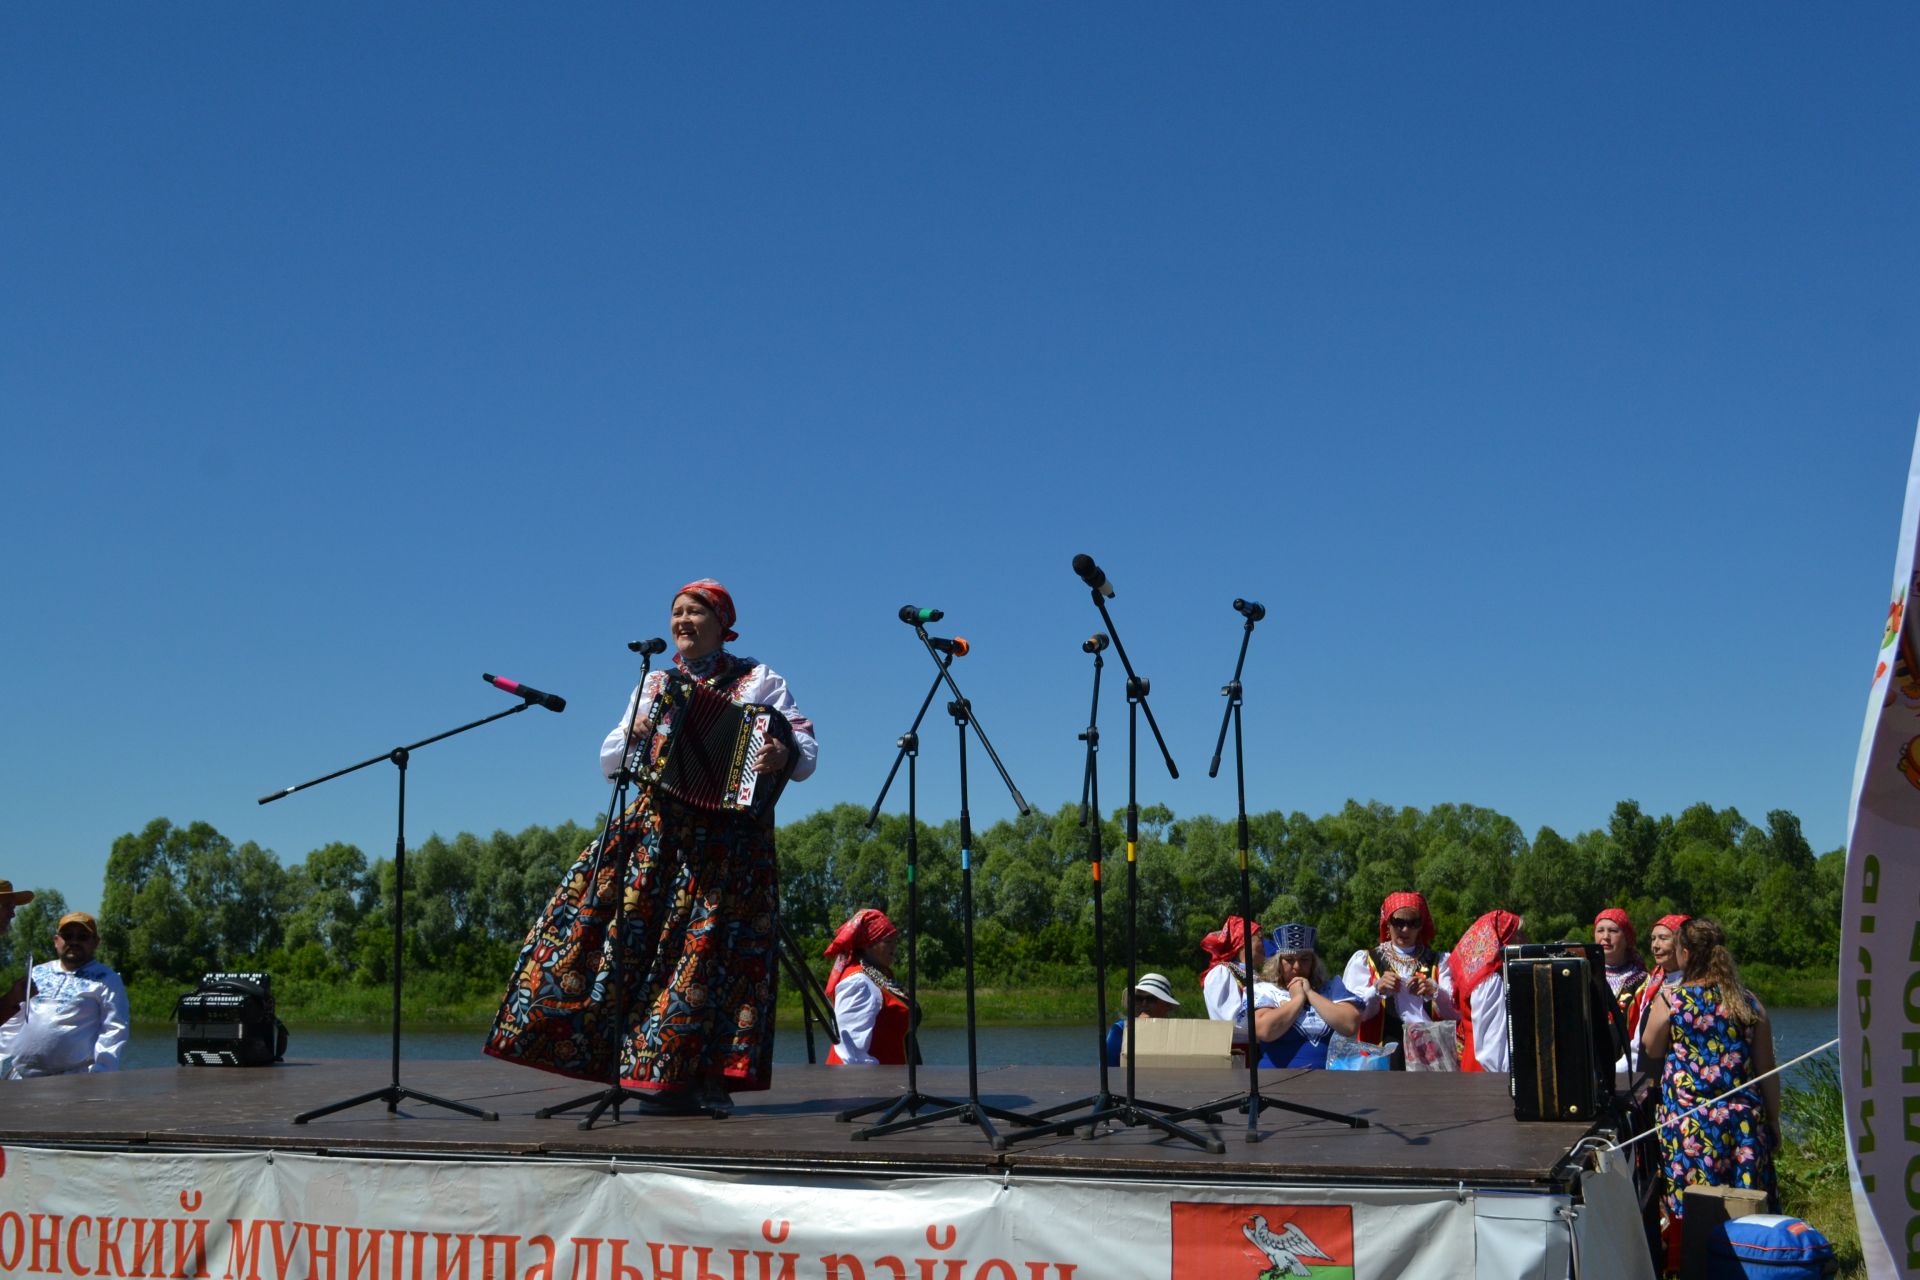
1292, 938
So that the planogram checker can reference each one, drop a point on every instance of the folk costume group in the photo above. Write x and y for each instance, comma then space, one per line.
1703, 1038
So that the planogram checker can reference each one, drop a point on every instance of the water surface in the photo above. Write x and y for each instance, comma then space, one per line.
1029, 1044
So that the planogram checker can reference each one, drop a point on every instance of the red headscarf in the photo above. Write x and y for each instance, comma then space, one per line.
1620, 918
715, 597
868, 926
1229, 942
1394, 902
1479, 951
1671, 923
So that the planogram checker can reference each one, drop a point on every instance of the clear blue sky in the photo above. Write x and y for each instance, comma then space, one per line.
1549, 373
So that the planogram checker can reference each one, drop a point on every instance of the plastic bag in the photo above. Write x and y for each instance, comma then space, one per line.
1347, 1054
1433, 1046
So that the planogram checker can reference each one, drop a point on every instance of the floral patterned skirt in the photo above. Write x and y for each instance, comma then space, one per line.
685, 1000
1724, 1145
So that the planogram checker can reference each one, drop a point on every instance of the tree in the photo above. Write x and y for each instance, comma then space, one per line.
31, 934
146, 919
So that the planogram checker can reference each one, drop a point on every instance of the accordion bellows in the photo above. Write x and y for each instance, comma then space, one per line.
703, 751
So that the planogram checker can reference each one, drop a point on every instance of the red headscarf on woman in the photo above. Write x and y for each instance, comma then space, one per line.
1479, 951
1625, 922
868, 926
1394, 902
715, 597
1671, 923
1228, 943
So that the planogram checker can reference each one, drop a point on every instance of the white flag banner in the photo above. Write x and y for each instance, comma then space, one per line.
1880, 934
276, 1216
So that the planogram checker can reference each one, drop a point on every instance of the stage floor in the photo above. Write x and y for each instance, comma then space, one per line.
1425, 1129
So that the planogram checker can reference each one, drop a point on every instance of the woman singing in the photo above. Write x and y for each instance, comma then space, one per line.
692, 1015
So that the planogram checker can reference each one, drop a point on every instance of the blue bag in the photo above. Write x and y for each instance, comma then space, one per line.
1347, 1054
1771, 1246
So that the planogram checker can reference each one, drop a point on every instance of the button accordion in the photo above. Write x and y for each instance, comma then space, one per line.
703, 750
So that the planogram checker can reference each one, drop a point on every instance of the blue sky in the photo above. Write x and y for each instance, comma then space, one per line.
1548, 373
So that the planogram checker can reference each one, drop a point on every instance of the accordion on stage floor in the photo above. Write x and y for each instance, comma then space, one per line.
228, 1021
704, 747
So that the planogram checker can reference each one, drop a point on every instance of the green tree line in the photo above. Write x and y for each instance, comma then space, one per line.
179, 901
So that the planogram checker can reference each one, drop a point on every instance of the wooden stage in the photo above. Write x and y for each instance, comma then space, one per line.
1436, 1130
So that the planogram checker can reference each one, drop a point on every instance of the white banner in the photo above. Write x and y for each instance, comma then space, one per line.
1880, 934
274, 1216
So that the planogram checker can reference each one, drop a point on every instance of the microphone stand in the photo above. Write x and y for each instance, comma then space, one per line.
910, 1102
1252, 1101
1132, 1110
972, 1111
394, 1090
616, 1093
813, 1003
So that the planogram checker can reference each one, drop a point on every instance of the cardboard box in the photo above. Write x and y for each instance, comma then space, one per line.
1181, 1042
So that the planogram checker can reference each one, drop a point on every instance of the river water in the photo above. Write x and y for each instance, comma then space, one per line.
1794, 1032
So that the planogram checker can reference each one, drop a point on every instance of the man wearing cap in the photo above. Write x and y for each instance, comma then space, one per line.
10, 900
75, 1017
1152, 997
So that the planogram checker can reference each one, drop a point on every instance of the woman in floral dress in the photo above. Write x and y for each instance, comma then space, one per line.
1715, 1038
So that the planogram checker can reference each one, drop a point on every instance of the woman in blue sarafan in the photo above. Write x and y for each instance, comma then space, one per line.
1297, 1005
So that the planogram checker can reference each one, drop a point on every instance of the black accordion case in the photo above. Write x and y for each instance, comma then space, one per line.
228, 1021
1563, 1029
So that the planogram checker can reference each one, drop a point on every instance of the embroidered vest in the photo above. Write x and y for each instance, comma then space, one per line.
1384, 1024
888, 1044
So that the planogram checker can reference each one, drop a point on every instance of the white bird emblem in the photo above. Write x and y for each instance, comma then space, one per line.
1285, 1250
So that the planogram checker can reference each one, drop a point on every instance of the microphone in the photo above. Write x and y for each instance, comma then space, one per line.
1094, 643
655, 645
914, 616
957, 646
551, 701
1090, 574
1253, 609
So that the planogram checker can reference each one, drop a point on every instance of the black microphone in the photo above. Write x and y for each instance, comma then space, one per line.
655, 645
915, 616
1094, 643
1253, 609
1090, 574
957, 646
551, 701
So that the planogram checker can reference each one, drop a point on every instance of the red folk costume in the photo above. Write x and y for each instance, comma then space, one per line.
1223, 983
852, 987
1643, 998
1477, 958
1375, 1028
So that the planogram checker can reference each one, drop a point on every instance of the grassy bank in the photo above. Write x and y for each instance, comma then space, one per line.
1812, 1162
1793, 988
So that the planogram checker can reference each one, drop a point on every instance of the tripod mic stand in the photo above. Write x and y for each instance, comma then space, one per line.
1131, 1110
912, 1101
1104, 1102
813, 1000
400, 756
1252, 1101
972, 1111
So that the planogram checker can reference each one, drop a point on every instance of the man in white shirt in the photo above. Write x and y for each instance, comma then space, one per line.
75, 1017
